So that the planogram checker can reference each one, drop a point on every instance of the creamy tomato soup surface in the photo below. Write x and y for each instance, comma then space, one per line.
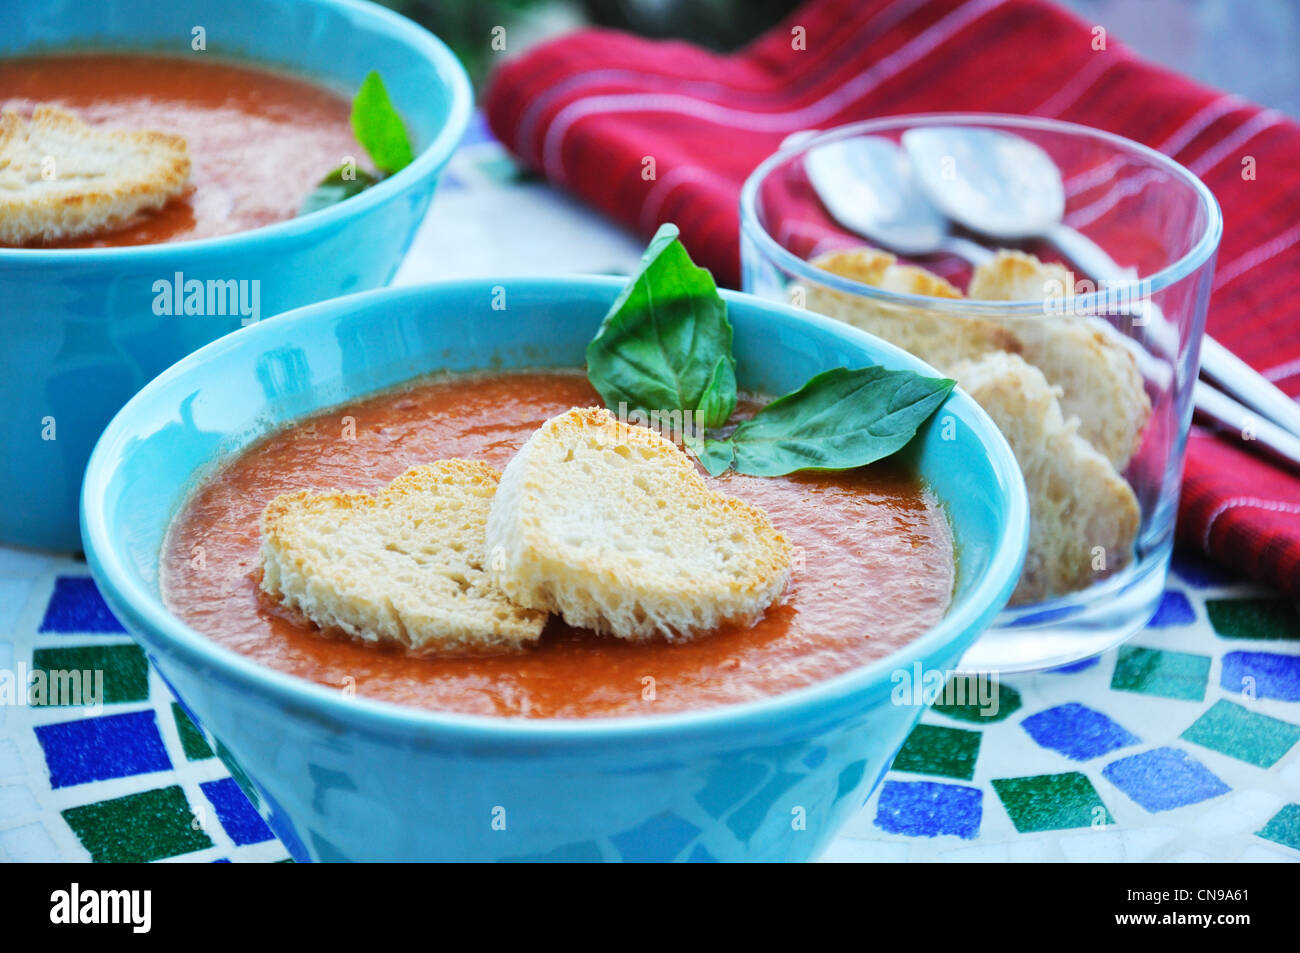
259, 141
874, 567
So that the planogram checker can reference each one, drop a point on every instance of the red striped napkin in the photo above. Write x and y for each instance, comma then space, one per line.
588, 108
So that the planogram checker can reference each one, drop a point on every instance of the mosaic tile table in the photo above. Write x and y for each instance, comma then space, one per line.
1181, 745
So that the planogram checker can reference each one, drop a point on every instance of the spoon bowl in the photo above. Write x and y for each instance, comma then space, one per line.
1004, 186
868, 187
991, 182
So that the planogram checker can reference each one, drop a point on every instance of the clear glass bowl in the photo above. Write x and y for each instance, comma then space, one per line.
1150, 215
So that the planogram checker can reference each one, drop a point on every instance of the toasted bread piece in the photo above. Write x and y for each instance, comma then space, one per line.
612, 527
880, 269
937, 338
61, 178
1083, 515
1016, 276
406, 566
1098, 377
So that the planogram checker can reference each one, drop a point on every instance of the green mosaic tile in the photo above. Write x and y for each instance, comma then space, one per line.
125, 673
138, 827
193, 743
1155, 672
1052, 802
1257, 618
977, 698
1284, 827
1243, 734
933, 749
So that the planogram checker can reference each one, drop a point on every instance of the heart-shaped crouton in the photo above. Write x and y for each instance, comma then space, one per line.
612, 527
405, 566
61, 178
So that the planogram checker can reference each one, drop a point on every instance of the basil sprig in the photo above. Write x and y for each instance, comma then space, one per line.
841, 418
665, 346
381, 132
336, 187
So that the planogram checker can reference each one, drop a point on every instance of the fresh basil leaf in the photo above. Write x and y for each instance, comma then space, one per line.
719, 397
840, 419
661, 343
379, 128
714, 455
343, 183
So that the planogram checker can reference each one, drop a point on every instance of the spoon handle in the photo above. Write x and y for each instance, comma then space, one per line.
1238, 378
973, 252
1230, 417
1090, 257
1229, 372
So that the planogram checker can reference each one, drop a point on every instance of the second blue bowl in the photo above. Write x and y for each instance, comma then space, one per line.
79, 328
348, 778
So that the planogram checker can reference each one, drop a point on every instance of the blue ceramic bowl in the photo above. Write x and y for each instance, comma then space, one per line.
342, 777
79, 332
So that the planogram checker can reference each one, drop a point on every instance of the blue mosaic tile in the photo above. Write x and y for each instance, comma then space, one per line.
1164, 778
239, 818
929, 809
1262, 675
658, 839
1081, 666
1078, 732
1046, 615
76, 606
95, 749
1196, 570
1174, 609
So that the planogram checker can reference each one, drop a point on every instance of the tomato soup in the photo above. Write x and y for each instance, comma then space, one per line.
874, 567
259, 141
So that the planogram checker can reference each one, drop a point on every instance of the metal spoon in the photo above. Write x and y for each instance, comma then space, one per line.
867, 185
1008, 188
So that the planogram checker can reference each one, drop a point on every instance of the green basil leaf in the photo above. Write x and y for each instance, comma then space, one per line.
719, 397
342, 183
660, 345
379, 128
714, 455
840, 419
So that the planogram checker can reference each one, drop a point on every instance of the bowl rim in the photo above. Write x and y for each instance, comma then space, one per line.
1093, 302
428, 163
143, 608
